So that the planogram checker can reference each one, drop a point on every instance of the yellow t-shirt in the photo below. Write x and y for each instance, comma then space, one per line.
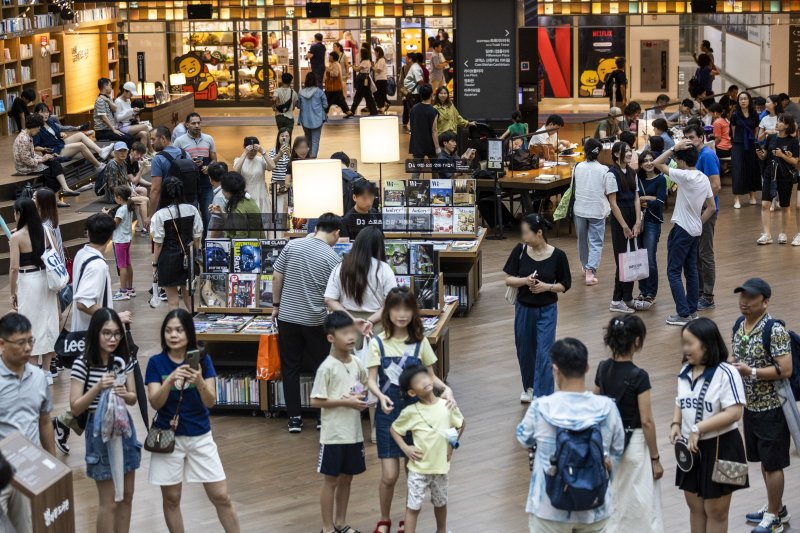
340, 425
429, 424
397, 347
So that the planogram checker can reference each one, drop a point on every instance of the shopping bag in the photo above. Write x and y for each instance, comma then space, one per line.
57, 275
563, 210
268, 364
633, 264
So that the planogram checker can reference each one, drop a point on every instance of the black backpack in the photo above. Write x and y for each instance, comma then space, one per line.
185, 170
609, 84
100, 182
794, 345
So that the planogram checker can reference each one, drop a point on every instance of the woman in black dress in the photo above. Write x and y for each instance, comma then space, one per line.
176, 229
744, 162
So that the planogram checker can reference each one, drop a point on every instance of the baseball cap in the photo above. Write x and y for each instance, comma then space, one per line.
616, 112
119, 145
755, 286
130, 87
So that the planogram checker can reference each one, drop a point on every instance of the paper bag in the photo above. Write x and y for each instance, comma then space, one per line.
633, 264
268, 364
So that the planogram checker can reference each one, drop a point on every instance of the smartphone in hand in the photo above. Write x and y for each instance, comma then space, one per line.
193, 359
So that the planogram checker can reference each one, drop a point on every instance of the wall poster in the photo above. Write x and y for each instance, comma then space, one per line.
601, 40
555, 55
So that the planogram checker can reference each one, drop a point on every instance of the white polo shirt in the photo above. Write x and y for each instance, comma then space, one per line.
693, 190
89, 289
725, 390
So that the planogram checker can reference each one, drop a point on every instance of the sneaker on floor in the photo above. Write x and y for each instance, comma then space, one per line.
737, 205
782, 239
295, 424
753, 201
757, 516
49, 378
678, 320
620, 307
796, 240
591, 279
62, 434
769, 524
526, 396
101, 167
106, 151
120, 295
764, 239
642, 304
704, 304
162, 295
131, 293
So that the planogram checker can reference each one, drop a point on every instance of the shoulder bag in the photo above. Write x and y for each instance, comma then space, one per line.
725, 472
71, 344
57, 275
163, 440
511, 292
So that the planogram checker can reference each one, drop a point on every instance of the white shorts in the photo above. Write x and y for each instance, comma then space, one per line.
194, 460
418, 485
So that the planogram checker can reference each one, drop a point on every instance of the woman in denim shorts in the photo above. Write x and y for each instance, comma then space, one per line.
106, 358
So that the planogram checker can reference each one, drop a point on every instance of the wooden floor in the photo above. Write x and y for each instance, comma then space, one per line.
271, 473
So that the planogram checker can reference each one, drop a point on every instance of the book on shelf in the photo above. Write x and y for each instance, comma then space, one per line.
395, 219
238, 388
421, 259
342, 248
464, 220
265, 290
426, 291
2, 106
218, 255
462, 246
403, 281
441, 192
394, 194
213, 289
243, 290
221, 323
56, 87
419, 219
442, 219
270, 250
279, 400
246, 256
397, 257
260, 325
464, 192
418, 193
57, 110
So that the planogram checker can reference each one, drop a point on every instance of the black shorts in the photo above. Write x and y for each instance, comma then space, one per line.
784, 190
722, 153
338, 459
766, 439
698, 480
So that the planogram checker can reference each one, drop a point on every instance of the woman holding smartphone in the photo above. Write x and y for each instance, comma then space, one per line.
178, 376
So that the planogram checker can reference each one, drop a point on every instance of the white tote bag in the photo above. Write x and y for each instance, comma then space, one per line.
512, 292
57, 275
633, 264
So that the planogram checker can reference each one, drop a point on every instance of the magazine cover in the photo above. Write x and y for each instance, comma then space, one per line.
213, 290
397, 257
464, 192
442, 219
421, 259
425, 291
441, 192
419, 219
242, 290
394, 193
265, 290
270, 250
418, 193
246, 256
342, 248
403, 281
464, 219
395, 219
218, 255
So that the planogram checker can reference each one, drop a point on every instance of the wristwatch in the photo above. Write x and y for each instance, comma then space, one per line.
754, 373
695, 429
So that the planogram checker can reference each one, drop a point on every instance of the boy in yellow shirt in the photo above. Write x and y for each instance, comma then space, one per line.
339, 391
436, 431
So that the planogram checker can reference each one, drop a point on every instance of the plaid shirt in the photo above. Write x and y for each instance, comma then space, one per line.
26, 160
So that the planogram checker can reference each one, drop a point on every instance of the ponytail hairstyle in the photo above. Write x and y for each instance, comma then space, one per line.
171, 192
627, 177
125, 193
592, 148
625, 335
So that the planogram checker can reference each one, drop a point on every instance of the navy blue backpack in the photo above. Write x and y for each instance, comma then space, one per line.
794, 343
577, 479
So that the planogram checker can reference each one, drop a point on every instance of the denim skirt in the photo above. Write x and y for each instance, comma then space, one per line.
98, 466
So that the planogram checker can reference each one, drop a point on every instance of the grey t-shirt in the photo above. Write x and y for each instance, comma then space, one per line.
102, 108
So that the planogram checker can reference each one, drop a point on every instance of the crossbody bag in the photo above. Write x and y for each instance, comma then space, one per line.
511, 292
163, 440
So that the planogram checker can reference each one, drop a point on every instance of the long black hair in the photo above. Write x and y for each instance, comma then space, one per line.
356, 265
91, 353
776, 101
233, 183
627, 177
708, 334
624, 335
185, 318
29, 218
278, 138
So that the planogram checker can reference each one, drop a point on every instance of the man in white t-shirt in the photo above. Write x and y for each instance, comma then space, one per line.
546, 138
694, 189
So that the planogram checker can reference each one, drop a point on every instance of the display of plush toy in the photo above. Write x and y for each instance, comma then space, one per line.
249, 41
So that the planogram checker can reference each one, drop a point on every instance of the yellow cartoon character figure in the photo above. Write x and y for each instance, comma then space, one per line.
589, 81
198, 79
606, 67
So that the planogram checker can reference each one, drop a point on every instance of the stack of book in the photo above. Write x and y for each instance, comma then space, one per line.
435, 206
220, 323
238, 389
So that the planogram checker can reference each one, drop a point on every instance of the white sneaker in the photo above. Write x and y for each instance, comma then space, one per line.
796, 240
620, 307
764, 239
49, 378
737, 205
782, 238
106, 151
526, 396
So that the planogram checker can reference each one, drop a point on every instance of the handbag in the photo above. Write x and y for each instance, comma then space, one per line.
57, 276
633, 264
71, 344
566, 206
268, 363
728, 472
163, 440
511, 292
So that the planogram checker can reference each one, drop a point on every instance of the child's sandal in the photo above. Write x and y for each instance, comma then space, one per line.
401, 527
383, 523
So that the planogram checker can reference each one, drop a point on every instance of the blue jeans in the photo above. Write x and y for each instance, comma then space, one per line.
650, 238
534, 334
313, 136
591, 232
205, 195
682, 259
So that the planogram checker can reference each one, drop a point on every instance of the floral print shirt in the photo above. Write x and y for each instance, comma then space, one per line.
26, 160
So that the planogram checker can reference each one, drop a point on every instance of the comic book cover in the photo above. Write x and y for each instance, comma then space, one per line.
265, 290
213, 289
464, 192
418, 193
395, 219
397, 257
419, 219
421, 259
464, 219
425, 289
394, 193
242, 290
442, 219
246, 256
270, 250
342, 248
218, 255
403, 281
441, 192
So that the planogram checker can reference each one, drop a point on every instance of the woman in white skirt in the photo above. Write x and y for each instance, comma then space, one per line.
172, 382
635, 485
28, 281
252, 164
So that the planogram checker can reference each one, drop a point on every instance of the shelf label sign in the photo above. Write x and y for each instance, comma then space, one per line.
140, 67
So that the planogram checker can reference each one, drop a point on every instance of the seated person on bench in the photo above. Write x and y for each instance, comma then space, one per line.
51, 139
545, 140
127, 114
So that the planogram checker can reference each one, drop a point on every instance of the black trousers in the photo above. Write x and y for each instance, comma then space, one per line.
380, 95
303, 348
409, 102
622, 291
108, 135
50, 176
336, 98
363, 91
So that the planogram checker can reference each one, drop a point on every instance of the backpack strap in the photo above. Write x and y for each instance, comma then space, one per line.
80, 275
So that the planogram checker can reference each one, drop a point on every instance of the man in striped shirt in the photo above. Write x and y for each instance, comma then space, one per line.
301, 275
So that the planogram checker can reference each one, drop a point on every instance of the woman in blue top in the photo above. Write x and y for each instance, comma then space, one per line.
744, 161
51, 136
195, 457
626, 222
653, 185
312, 106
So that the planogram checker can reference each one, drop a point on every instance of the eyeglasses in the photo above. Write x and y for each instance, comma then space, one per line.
111, 334
22, 342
